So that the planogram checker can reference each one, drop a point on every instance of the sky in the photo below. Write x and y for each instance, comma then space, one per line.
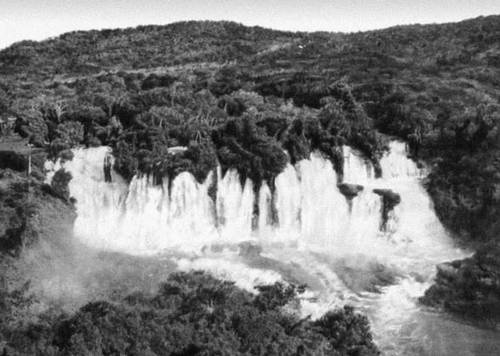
40, 19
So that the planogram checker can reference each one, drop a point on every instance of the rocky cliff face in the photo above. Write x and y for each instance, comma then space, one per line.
469, 287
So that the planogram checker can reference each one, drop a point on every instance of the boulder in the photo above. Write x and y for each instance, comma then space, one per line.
389, 200
448, 270
469, 288
249, 249
350, 191
364, 275
389, 197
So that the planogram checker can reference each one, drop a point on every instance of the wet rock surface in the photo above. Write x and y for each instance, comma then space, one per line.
350, 191
469, 288
389, 200
360, 275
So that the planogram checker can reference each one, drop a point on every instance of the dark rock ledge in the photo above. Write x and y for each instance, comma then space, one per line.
389, 200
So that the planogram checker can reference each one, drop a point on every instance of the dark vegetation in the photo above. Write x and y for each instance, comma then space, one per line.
26, 203
191, 314
469, 287
242, 95
14, 211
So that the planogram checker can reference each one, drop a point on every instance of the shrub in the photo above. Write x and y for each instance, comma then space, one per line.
60, 182
196, 314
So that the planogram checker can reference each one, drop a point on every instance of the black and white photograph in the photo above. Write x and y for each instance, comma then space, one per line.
249, 178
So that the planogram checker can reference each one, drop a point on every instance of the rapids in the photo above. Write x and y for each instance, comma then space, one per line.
305, 232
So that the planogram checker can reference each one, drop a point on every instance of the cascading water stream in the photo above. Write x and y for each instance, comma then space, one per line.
314, 237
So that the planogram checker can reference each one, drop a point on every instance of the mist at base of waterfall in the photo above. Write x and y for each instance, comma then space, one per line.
131, 236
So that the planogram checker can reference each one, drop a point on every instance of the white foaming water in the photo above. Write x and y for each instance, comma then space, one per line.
139, 217
357, 169
314, 229
234, 206
244, 277
288, 201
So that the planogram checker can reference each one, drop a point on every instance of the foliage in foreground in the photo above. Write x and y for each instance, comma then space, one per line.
193, 314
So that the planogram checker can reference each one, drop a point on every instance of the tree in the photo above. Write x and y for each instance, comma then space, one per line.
4, 101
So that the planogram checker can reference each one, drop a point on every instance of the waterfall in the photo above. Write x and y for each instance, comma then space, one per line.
306, 229
357, 169
311, 212
234, 206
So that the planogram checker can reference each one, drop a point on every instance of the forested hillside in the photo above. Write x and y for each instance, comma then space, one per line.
240, 95
436, 86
